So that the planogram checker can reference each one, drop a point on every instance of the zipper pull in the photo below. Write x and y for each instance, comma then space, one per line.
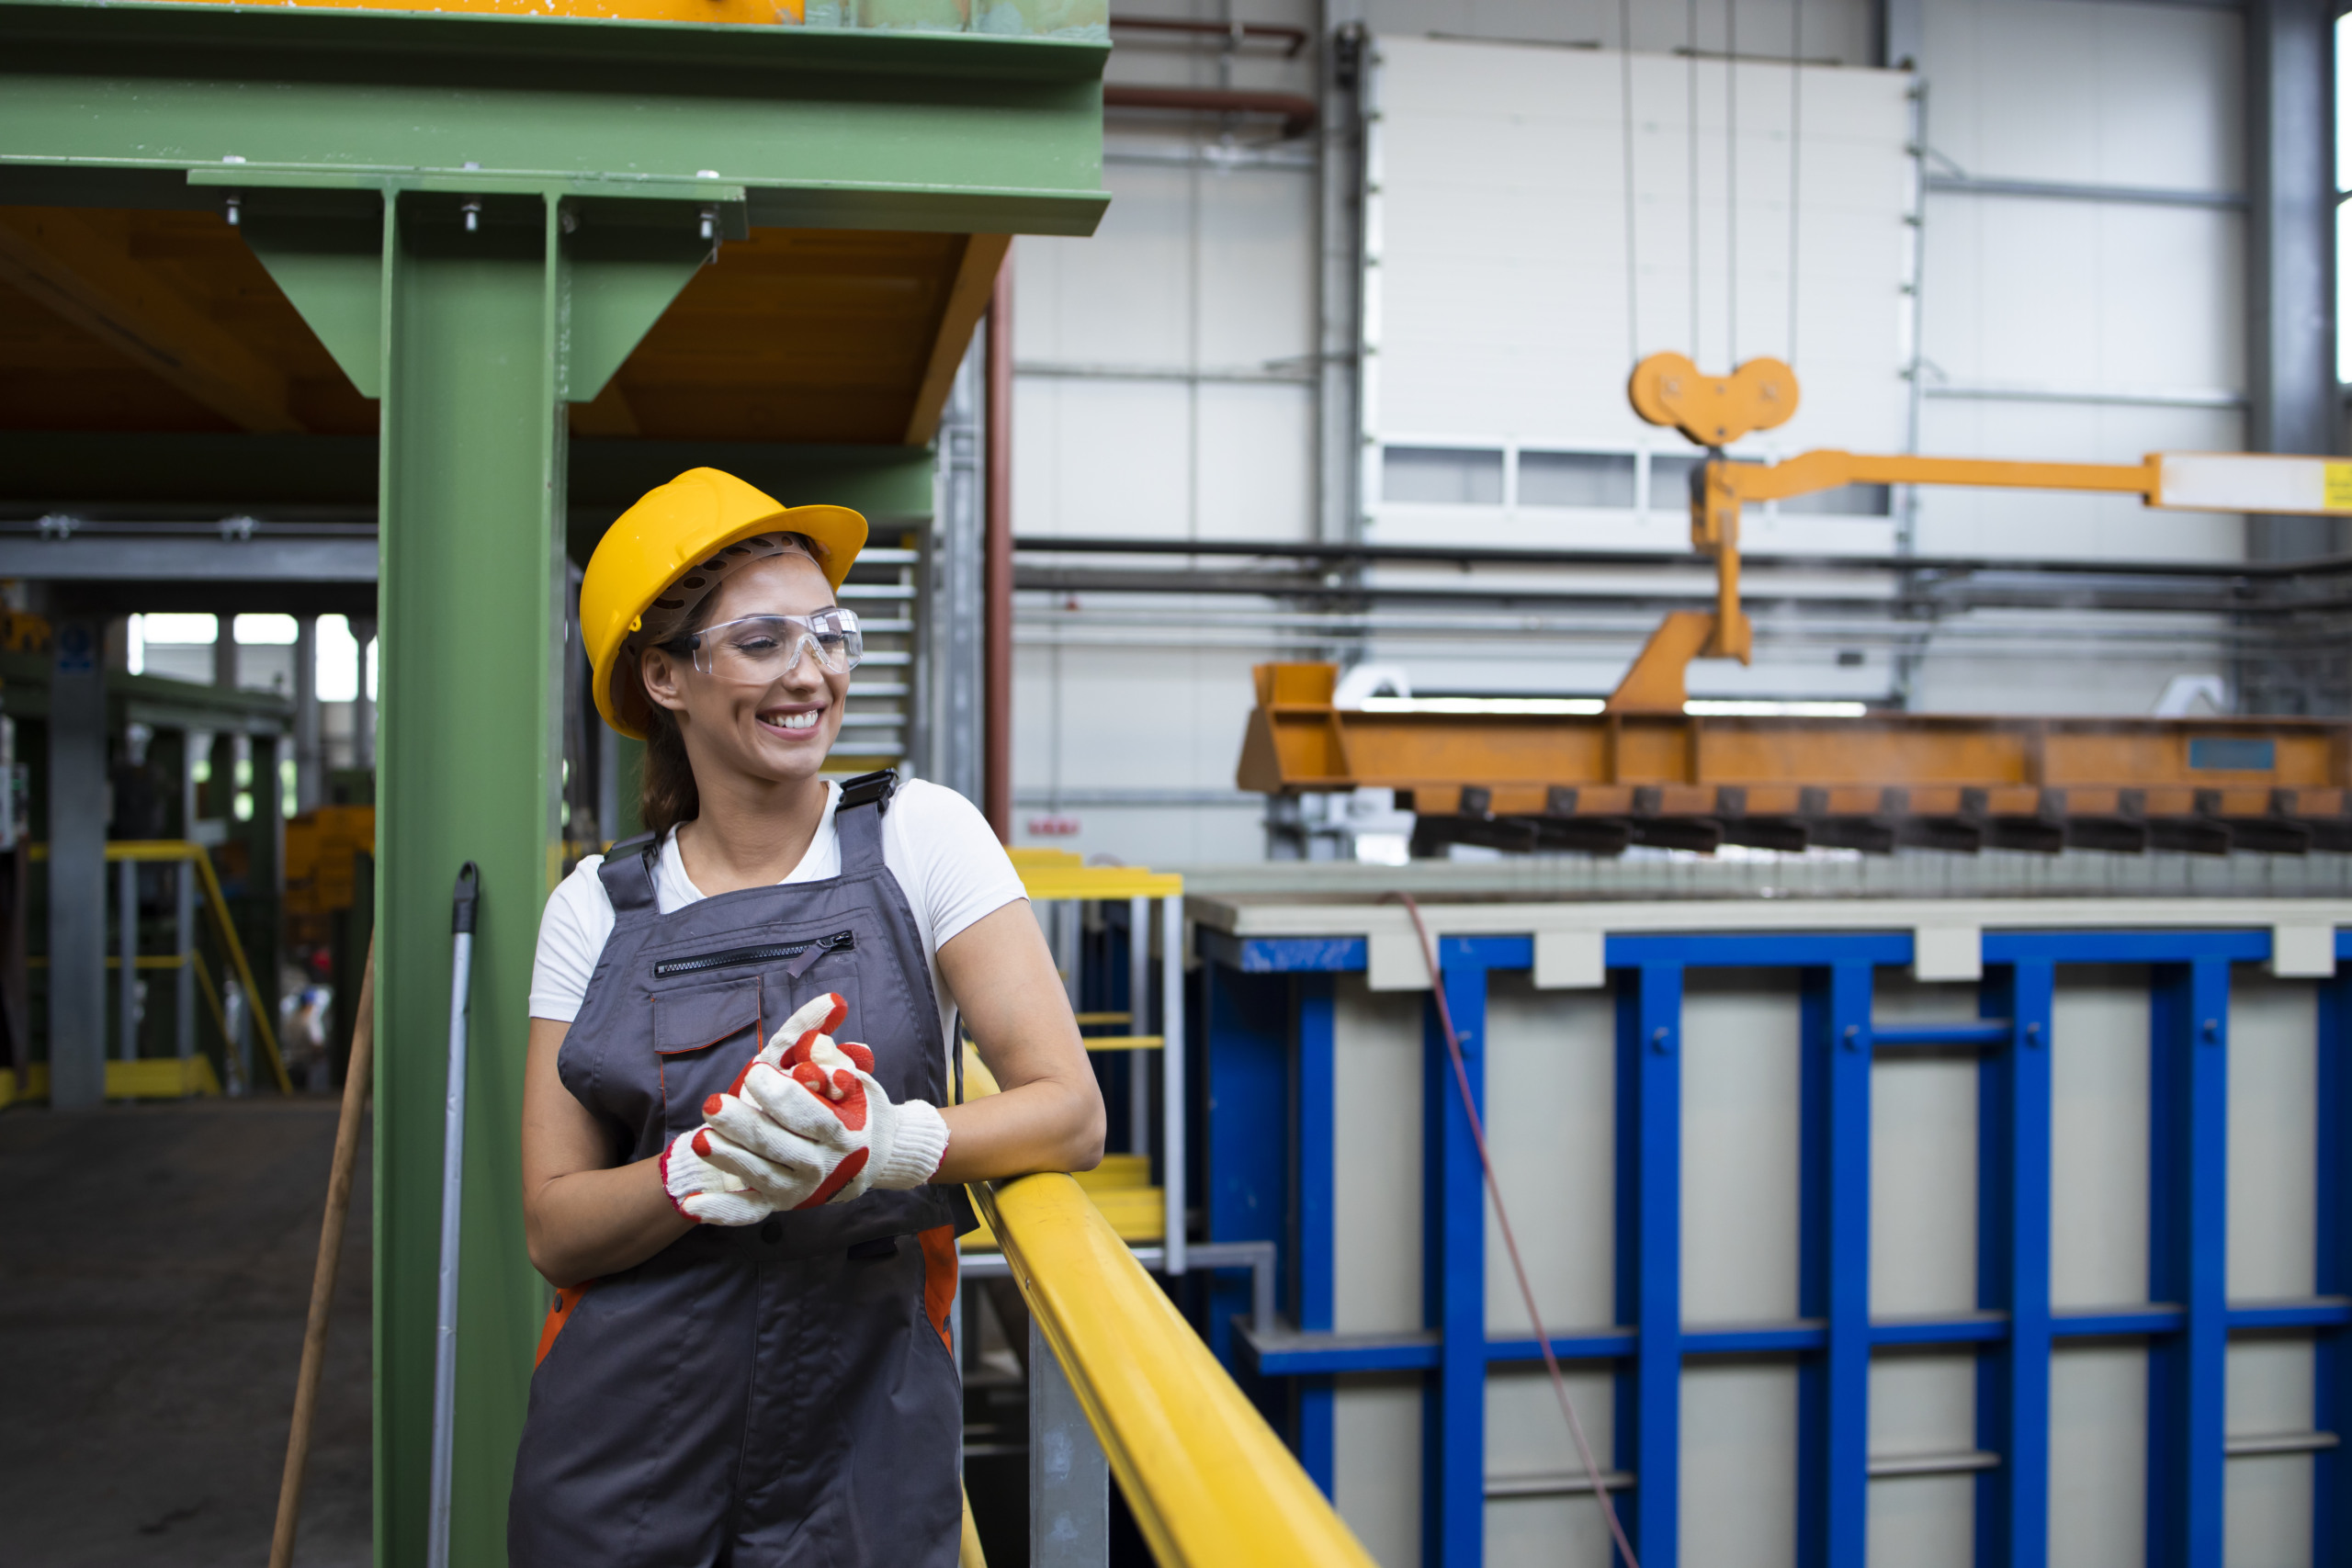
813, 952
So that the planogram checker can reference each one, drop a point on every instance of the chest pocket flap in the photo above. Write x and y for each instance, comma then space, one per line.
702, 1015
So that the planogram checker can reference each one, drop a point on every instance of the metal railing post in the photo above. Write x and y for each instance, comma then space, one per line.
126, 882
1069, 1478
1171, 1073
1138, 1000
183, 942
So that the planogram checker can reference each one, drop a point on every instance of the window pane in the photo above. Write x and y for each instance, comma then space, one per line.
2343, 290
1442, 476
1576, 478
2344, 102
1670, 483
1846, 500
264, 631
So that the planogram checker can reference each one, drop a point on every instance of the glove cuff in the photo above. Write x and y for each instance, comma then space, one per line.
920, 1144
669, 1189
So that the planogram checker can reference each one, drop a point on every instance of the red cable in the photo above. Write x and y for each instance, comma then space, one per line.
1511, 1242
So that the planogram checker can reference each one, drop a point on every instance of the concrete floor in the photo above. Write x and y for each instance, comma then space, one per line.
154, 1274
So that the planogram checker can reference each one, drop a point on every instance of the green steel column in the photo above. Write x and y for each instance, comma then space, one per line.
485, 335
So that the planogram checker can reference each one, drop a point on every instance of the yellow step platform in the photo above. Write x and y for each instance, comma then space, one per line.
1120, 1189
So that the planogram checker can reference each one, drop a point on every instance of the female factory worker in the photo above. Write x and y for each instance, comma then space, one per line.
747, 1361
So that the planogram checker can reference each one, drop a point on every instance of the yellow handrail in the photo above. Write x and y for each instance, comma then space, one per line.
183, 850
1208, 1482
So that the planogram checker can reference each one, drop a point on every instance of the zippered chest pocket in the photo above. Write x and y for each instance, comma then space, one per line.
773, 978
796, 957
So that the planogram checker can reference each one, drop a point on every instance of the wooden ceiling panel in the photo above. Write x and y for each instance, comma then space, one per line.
176, 323
140, 320
797, 335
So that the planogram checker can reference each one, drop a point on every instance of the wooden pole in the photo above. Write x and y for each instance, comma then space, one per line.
996, 706
314, 1338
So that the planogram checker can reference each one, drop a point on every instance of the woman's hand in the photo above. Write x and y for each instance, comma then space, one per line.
1050, 1115
582, 1215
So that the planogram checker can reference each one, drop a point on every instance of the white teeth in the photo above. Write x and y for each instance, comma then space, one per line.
796, 721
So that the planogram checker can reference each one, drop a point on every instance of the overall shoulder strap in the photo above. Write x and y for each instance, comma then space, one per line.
859, 827
628, 873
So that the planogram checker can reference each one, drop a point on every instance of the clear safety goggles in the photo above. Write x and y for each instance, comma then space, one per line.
760, 649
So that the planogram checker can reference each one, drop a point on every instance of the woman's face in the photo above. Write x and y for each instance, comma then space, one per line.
773, 733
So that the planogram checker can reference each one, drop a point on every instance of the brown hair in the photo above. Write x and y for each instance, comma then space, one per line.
666, 793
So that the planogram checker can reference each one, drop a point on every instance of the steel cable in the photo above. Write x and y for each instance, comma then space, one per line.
1511, 1242
1796, 128
1731, 181
1625, 98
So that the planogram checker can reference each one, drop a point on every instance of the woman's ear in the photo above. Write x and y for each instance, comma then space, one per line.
658, 670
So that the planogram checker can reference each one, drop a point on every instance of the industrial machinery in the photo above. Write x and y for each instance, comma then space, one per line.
1643, 770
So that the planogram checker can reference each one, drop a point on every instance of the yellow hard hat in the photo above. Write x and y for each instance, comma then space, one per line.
671, 531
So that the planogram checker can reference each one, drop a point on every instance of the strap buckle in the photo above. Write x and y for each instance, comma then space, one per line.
874, 789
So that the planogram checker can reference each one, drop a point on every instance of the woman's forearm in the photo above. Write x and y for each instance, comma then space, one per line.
1044, 1124
592, 1223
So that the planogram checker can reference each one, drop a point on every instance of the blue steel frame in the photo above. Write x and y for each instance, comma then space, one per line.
1268, 1019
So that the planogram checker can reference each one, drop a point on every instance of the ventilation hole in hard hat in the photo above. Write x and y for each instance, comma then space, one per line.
715, 563
691, 582
668, 604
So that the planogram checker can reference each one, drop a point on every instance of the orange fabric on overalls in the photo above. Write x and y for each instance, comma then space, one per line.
559, 1314
940, 1268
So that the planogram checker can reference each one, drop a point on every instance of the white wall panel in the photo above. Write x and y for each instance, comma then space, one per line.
2266, 1498
1739, 1147
2273, 1140
2086, 93
1101, 457
1841, 32
1257, 479
1922, 1405
1923, 1161
1375, 1464
2266, 1511
1739, 1465
1502, 277
1526, 1435
1092, 717
2098, 1455
1376, 1114
2099, 1141
1551, 1121
2027, 292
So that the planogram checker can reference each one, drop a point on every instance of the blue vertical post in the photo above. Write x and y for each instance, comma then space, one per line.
2013, 1269
1312, 1242
1649, 1252
1833, 1451
1454, 1230
2332, 1468
2188, 1261
1247, 1175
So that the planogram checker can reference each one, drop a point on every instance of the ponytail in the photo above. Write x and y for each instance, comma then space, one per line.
666, 795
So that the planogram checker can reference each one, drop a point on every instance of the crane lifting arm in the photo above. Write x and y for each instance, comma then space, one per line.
1668, 389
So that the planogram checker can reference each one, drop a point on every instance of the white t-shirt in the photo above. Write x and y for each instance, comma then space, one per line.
934, 841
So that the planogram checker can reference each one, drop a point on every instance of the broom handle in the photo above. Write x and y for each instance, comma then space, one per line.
314, 1338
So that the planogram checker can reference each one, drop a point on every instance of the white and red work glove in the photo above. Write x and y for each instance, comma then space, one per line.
713, 1179
815, 1109
703, 1192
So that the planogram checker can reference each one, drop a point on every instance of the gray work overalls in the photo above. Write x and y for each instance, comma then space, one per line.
778, 1396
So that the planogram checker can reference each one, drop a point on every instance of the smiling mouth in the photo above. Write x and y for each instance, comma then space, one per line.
793, 721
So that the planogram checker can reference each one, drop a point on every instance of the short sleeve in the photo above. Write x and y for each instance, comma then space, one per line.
572, 930
964, 872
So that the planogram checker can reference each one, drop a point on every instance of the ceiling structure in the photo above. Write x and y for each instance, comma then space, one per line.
165, 323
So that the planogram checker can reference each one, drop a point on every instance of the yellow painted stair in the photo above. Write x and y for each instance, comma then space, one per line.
1120, 1188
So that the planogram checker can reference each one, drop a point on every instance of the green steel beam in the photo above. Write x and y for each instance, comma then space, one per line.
819, 127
